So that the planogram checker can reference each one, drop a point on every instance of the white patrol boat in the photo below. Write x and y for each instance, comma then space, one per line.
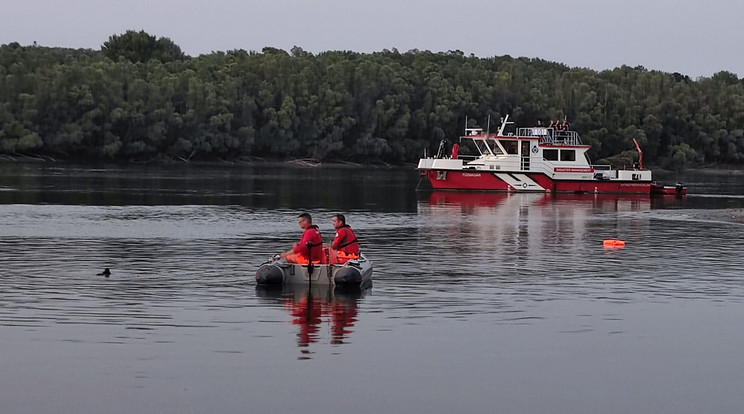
534, 159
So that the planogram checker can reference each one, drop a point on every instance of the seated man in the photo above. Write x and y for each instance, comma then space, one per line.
301, 253
345, 246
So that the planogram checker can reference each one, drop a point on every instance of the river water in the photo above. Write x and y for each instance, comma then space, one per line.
481, 303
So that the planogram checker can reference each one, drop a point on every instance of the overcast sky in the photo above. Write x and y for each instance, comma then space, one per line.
694, 38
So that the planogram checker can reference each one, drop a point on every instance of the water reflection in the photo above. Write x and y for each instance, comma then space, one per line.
542, 247
261, 185
310, 307
472, 201
527, 227
522, 276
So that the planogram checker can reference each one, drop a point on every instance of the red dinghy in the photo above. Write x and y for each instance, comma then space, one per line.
678, 189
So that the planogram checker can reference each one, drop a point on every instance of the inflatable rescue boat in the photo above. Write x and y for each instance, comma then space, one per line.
353, 273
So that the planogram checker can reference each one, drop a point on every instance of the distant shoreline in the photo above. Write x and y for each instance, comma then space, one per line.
305, 163
295, 162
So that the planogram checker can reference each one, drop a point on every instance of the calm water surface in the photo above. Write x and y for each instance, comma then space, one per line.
481, 302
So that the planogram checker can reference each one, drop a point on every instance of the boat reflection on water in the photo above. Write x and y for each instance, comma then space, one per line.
313, 306
475, 201
531, 232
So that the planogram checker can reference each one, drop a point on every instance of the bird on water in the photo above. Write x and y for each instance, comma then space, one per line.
106, 272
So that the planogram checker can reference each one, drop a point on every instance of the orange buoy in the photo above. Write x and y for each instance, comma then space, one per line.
613, 243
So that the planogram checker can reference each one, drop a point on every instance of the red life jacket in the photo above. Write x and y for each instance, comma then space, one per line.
315, 252
346, 245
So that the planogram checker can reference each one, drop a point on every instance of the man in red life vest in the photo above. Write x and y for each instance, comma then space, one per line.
344, 246
299, 253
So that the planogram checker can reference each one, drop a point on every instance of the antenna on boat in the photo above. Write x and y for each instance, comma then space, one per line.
466, 124
504, 122
488, 125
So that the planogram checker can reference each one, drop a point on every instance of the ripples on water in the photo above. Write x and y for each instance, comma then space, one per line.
453, 257
527, 247
456, 255
182, 278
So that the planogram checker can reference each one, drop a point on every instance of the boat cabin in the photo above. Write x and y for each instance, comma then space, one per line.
527, 159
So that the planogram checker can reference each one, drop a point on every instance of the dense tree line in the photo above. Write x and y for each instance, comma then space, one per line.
141, 98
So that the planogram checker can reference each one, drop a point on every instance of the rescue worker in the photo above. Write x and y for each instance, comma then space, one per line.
299, 253
344, 246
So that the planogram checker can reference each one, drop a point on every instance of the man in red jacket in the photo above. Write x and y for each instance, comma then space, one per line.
345, 246
299, 253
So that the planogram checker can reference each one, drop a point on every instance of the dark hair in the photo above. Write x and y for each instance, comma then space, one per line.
341, 218
306, 216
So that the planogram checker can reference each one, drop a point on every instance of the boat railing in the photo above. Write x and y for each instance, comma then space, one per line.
604, 172
551, 136
602, 167
473, 131
535, 132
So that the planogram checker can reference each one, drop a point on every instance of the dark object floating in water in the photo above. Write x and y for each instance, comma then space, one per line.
106, 272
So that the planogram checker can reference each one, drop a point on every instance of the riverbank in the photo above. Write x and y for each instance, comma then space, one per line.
294, 162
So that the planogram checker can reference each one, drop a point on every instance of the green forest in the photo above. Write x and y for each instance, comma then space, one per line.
140, 98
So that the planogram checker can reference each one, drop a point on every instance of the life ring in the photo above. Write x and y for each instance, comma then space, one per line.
524, 185
534, 150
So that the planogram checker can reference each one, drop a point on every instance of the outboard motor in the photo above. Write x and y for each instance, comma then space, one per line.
679, 187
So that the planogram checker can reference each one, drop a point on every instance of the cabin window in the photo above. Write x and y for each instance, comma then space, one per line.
509, 146
568, 155
495, 149
550, 154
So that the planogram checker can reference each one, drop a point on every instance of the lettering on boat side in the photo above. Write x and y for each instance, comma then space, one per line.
471, 174
568, 169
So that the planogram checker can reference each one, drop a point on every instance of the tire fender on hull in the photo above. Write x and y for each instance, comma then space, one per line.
348, 276
269, 274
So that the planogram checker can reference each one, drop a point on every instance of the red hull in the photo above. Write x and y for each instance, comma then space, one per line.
486, 181
677, 190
